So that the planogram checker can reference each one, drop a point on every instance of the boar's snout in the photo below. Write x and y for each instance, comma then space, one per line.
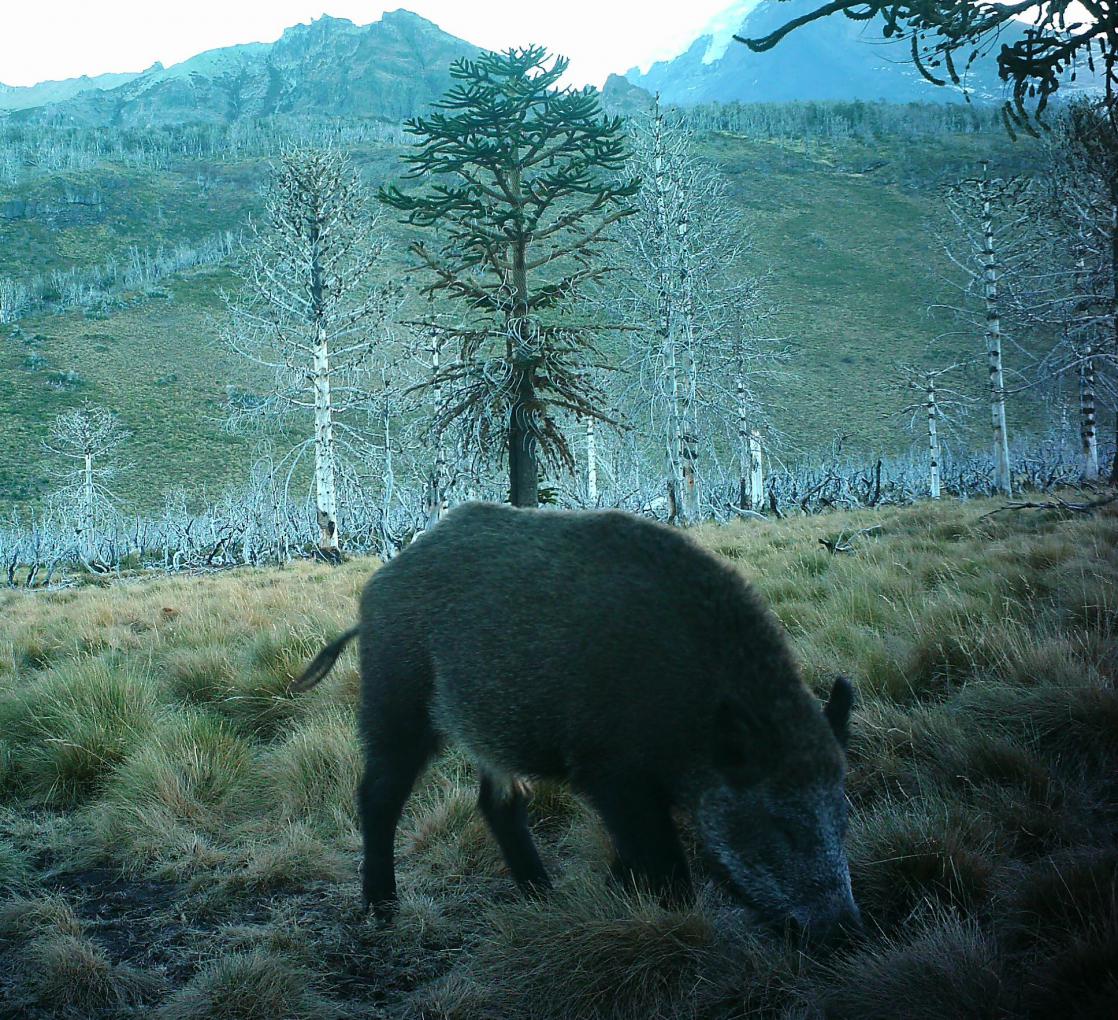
827, 933
781, 853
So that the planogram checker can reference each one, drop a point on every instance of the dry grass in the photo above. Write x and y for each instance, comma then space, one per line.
178, 838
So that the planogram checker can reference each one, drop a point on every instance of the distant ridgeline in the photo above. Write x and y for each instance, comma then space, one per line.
394, 68
834, 58
389, 70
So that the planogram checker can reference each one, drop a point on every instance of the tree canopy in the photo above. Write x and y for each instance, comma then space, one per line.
521, 184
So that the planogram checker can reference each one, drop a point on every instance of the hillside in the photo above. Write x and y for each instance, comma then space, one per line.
840, 228
178, 836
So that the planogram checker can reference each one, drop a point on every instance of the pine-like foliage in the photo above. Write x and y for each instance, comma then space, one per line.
521, 188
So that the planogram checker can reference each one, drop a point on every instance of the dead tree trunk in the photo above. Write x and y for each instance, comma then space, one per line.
1002, 480
437, 481
756, 473
591, 462
933, 435
1088, 429
673, 438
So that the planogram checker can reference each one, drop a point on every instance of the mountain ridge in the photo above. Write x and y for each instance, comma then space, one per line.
832, 59
389, 70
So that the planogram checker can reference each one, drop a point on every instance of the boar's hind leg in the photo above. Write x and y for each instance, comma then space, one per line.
648, 849
505, 808
391, 766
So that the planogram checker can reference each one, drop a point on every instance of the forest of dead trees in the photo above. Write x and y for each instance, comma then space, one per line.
599, 333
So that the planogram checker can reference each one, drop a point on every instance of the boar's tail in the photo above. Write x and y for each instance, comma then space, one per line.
323, 662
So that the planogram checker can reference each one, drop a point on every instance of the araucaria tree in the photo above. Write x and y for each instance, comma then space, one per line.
521, 188
313, 314
85, 439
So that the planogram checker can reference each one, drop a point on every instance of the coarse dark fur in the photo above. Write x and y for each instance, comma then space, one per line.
615, 654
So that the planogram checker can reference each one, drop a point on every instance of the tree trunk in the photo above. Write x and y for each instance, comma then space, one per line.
1002, 481
591, 462
1114, 284
325, 491
87, 545
933, 436
524, 471
745, 490
756, 473
689, 440
1088, 425
1114, 464
673, 439
437, 485
523, 464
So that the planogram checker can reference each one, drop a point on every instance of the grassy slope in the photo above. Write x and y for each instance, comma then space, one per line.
852, 269
176, 831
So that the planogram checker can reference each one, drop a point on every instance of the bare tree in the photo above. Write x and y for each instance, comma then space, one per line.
692, 307
933, 411
1076, 294
85, 440
312, 313
991, 247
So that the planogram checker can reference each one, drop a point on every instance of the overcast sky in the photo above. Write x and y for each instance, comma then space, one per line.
54, 39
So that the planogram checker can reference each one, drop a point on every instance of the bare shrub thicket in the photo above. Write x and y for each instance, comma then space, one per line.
266, 521
102, 287
30, 151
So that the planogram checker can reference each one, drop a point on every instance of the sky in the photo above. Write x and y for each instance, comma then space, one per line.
54, 39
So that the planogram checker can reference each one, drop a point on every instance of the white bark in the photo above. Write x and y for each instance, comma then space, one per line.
666, 323
756, 473
437, 502
994, 345
325, 474
87, 521
689, 440
934, 459
1087, 415
591, 462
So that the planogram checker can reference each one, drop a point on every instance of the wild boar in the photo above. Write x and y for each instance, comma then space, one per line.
617, 655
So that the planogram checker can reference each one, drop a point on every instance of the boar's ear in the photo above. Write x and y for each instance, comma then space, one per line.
837, 709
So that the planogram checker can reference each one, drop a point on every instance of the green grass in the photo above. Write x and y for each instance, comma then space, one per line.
850, 260
178, 837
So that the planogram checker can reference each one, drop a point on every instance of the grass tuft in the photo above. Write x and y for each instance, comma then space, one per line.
593, 953
69, 728
250, 986
171, 798
943, 967
69, 972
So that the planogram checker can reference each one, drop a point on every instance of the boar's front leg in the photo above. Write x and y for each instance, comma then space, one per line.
505, 808
638, 818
